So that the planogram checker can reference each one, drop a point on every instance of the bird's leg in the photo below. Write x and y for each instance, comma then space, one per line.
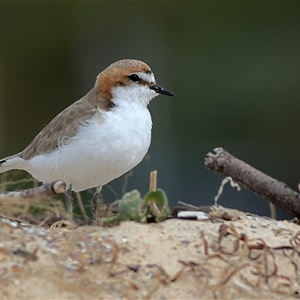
96, 203
69, 199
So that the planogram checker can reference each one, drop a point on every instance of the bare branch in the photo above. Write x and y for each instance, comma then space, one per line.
259, 183
46, 190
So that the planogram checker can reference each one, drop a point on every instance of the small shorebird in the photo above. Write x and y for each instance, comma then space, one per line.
99, 137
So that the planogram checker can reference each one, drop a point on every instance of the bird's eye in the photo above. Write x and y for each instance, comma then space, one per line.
134, 77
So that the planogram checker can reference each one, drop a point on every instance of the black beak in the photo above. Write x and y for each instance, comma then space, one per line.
160, 90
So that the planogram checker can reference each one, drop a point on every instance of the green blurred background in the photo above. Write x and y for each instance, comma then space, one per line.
234, 67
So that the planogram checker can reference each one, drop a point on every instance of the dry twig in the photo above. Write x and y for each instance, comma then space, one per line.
261, 184
46, 190
152, 187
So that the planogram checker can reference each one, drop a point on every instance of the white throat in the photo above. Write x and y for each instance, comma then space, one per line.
137, 94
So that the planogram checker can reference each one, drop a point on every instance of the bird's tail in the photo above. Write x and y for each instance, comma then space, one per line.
9, 163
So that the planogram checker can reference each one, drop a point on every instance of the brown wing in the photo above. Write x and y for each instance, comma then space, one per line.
65, 124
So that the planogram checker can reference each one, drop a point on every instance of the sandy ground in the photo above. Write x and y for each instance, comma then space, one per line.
252, 258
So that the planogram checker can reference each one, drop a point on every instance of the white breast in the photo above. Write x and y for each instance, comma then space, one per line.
110, 144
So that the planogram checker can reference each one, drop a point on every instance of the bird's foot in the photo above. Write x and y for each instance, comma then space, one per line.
97, 205
69, 200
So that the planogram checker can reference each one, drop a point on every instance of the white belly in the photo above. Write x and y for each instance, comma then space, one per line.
103, 150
